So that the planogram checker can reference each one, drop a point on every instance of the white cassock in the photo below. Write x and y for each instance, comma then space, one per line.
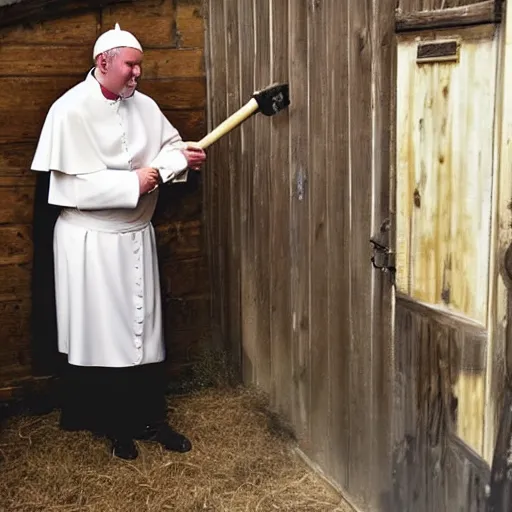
106, 271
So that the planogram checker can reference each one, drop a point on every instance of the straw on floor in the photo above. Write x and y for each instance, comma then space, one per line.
241, 461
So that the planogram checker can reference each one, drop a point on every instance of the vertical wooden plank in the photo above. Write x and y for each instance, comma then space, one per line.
261, 198
361, 383
215, 174
319, 92
338, 239
247, 215
383, 85
280, 319
300, 219
234, 164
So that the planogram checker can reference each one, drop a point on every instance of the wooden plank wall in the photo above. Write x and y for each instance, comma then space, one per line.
292, 202
37, 64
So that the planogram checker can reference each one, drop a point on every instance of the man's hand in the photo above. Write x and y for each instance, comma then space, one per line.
148, 179
195, 155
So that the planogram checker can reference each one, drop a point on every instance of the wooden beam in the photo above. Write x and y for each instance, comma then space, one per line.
34, 11
498, 435
475, 14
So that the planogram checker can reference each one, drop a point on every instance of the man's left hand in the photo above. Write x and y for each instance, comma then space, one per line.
195, 155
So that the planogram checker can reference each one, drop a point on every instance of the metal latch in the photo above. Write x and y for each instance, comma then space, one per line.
383, 258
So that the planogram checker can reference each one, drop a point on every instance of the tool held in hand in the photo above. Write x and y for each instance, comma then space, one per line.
268, 101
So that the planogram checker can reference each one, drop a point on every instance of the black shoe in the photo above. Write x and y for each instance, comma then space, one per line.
172, 440
124, 449
167, 437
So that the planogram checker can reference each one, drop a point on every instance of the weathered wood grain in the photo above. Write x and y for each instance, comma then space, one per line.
338, 239
151, 21
33, 11
15, 160
280, 288
171, 63
14, 333
434, 470
444, 236
233, 103
191, 124
32, 93
501, 476
330, 219
340, 70
261, 199
217, 201
249, 304
72, 30
360, 118
179, 240
25, 60
16, 205
14, 282
190, 24
430, 5
15, 323
16, 244
176, 93
182, 278
319, 231
499, 362
300, 222
458, 16
383, 157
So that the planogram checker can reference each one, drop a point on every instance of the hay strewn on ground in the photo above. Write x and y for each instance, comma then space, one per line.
239, 462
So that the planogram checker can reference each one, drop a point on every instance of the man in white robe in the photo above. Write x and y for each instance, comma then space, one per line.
108, 148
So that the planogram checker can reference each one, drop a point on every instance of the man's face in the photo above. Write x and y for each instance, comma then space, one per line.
124, 71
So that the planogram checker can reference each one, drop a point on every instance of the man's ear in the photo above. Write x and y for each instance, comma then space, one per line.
101, 63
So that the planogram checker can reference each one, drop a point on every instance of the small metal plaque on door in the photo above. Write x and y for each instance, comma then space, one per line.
438, 51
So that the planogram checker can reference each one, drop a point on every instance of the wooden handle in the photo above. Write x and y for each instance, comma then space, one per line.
229, 124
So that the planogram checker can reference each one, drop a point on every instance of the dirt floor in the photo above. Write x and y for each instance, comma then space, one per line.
241, 461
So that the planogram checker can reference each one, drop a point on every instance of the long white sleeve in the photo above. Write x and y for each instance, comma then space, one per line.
102, 190
170, 161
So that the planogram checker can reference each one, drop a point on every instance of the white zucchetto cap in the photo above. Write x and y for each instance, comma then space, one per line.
115, 38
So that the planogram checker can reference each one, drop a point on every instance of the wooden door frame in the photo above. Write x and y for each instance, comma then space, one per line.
478, 13
499, 396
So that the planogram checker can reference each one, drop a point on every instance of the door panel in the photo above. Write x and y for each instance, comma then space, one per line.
445, 137
444, 179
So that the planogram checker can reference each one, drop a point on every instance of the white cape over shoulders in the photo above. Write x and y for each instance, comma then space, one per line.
106, 270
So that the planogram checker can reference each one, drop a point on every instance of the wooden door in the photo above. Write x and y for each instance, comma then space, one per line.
444, 206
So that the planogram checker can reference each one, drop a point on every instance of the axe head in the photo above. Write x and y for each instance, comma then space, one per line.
272, 99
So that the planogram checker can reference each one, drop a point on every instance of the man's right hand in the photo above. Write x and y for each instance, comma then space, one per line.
148, 179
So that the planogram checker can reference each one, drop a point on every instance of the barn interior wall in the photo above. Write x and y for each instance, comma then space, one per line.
292, 202
38, 62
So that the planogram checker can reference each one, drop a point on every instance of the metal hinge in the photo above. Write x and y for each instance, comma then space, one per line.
383, 258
